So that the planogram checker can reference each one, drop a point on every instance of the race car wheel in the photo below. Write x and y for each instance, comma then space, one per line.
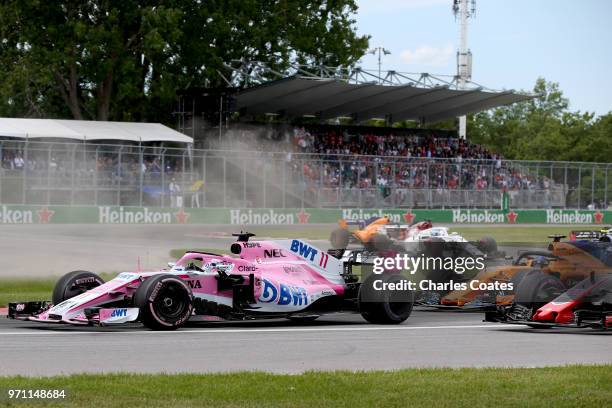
339, 238
517, 277
165, 302
384, 306
537, 288
73, 284
488, 245
379, 243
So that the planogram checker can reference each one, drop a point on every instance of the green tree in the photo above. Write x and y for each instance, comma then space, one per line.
543, 128
125, 60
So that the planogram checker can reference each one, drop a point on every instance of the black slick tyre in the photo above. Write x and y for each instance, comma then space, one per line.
165, 302
384, 306
537, 288
73, 284
339, 238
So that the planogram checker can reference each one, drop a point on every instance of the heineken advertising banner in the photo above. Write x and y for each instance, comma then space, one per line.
25, 214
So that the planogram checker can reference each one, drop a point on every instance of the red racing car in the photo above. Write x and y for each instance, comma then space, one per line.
587, 304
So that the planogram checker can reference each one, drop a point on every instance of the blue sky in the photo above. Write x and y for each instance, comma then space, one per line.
513, 42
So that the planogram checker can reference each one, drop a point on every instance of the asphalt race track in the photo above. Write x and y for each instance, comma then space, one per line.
426, 339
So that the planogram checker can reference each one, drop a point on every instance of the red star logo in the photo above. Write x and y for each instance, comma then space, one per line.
44, 215
598, 217
512, 217
303, 217
409, 217
181, 216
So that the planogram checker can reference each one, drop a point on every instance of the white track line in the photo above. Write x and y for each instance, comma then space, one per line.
254, 330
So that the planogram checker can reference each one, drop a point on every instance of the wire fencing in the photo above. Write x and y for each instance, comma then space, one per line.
59, 173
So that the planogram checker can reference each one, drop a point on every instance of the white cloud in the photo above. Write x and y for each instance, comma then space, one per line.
428, 55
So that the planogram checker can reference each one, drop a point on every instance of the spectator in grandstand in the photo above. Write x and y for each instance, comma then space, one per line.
176, 200
155, 168
18, 162
195, 190
7, 160
53, 164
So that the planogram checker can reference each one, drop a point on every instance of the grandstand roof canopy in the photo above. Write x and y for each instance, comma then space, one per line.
329, 98
90, 130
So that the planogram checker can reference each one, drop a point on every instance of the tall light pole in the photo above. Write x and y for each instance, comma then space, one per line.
464, 10
381, 51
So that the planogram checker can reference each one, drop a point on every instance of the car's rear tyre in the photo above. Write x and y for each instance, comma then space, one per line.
73, 284
339, 238
380, 243
165, 302
385, 306
488, 245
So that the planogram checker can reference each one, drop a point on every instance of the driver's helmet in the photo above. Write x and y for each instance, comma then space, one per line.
403, 233
540, 261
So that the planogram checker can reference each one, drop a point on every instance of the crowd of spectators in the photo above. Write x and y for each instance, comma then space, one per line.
362, 160
107, 167
329, 143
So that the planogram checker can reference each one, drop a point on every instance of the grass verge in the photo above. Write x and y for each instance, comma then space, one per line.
571, 386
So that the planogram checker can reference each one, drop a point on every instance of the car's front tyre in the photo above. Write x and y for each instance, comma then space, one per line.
73, 284
537, 288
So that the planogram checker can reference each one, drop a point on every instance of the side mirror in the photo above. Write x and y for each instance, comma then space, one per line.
171, 265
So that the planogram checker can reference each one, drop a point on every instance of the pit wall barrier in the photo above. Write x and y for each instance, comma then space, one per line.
28, 214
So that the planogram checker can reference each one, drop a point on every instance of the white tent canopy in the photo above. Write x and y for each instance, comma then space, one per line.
86, 130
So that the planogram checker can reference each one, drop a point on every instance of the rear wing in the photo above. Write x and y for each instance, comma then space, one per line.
588, 235
344, 223
324, 263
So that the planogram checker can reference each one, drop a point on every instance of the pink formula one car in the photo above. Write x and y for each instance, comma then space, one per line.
265, 279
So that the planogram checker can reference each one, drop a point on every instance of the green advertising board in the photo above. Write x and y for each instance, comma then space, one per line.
25, 214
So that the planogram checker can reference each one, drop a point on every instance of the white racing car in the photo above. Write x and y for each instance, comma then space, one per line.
378, 234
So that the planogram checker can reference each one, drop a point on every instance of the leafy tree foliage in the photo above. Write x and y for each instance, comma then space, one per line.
544, 129
125, 60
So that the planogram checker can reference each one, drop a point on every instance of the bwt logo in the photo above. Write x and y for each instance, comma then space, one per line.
304, 250
283, 294
273, 253
119, 313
